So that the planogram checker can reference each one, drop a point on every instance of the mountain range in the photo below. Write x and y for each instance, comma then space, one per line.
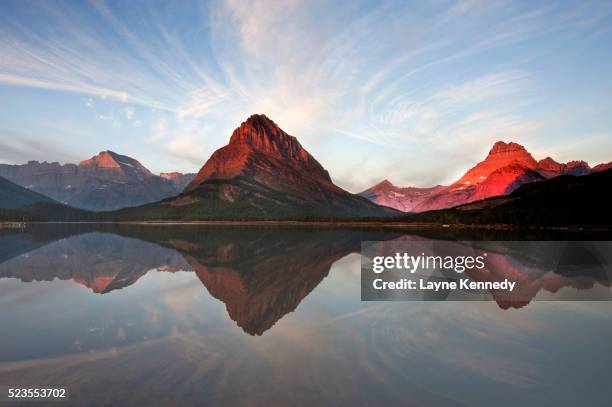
263, 173
105, 182
506, 168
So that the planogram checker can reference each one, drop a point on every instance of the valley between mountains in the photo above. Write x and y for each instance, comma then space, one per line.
263, 173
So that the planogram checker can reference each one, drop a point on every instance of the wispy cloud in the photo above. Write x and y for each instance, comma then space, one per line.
24, 147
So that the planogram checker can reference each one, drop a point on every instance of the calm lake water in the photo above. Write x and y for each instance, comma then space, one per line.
194, 315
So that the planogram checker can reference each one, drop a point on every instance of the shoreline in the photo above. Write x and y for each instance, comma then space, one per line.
320, 224
12, 225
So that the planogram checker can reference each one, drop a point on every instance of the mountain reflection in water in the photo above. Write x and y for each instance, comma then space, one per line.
259, 273
118, 313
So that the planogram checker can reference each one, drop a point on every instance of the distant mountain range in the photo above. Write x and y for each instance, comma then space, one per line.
262, 173
105, 182
506, 168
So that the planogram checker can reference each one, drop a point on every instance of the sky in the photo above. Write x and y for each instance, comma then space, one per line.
414, 92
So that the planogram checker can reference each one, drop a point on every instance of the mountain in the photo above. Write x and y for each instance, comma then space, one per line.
506, 167
504, 180
403, 199
15, 196
549, 168
262, 173
178, 180
566, 200
602, 167
107, 181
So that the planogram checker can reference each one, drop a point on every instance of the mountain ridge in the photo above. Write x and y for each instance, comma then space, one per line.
506, 167
106, 181
13, 196
563, 201
179, 180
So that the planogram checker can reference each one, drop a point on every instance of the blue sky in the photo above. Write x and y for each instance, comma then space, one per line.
415, 92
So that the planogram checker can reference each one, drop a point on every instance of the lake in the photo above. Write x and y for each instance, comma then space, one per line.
196, 315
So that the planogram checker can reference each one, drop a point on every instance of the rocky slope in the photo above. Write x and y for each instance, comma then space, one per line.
15, 196
107, 181
506, 167
262, 173
549, 168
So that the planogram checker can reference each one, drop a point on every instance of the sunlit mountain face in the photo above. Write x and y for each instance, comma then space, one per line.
278, 308
503, 171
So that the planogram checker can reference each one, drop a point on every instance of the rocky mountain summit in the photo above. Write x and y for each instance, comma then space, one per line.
259, 148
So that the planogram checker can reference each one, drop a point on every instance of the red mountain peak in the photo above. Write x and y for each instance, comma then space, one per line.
255, 148
548, 163
384, 184
550, 168
262, 134
501, 155
104, 159
109, 160
502, 147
